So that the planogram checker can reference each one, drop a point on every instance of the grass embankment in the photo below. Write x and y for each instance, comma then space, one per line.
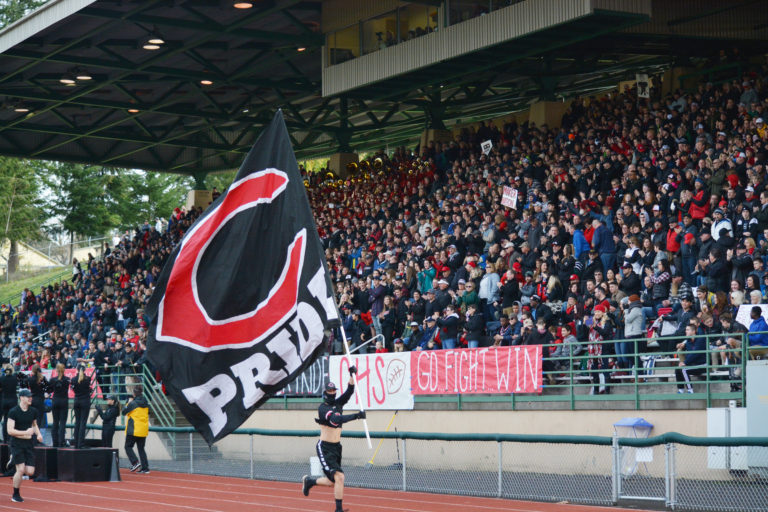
11, 291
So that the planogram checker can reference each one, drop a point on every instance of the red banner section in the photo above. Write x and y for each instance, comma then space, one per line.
477, 370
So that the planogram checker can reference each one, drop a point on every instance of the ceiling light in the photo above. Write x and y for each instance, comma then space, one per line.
148, 46
301, 49
206, 82
156, 39
67, 79
83, 75
133, 110
21, 108
242, 4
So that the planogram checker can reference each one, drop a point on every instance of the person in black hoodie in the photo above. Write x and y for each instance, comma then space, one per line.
449, 327
60, 388
38, 385
473, 327
108, 419
541, 336
81, 385
9, 382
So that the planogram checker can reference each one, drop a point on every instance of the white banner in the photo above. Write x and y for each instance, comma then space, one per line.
486, 146
643, 85
742, 316
509, 197
384, 379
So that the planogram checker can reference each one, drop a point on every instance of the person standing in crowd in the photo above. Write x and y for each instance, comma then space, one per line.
81, 386
38, 385
60, 388
330, 419
9, 383
108, 419
136, 413
693, 358
23, 428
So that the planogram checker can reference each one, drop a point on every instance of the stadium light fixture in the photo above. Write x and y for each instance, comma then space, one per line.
81, 74
154, 41
206, 82
133, 111
242, 4
67, 79
300, 49
21, 108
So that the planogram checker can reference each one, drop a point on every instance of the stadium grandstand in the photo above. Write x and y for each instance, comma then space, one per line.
586, 179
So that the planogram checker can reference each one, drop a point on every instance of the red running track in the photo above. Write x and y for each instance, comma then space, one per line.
174, 492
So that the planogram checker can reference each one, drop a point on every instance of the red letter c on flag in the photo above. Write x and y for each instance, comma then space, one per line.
181, 316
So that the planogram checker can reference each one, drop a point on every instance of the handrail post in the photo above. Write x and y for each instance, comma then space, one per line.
498, 492
615, 469
708, 369
250, 436
672, 476
191, 455
636, 379
743, 376
404, 465
570, 377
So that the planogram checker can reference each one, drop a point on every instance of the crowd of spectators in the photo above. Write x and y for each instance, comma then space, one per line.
634, 214
97, 318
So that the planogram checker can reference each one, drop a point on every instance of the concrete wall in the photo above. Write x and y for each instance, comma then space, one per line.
562, 459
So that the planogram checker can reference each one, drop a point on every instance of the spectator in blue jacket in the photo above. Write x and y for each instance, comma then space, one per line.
758, 343
427, 341
602, 241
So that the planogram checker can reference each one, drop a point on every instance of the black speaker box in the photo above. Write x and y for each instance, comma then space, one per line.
88, 465
46, 464
5, 454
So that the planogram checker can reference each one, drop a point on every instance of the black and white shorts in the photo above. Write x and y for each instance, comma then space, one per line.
330, 458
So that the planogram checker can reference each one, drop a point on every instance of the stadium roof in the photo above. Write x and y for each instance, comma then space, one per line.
196, 103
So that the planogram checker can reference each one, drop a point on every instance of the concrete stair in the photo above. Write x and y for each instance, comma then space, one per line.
179, 444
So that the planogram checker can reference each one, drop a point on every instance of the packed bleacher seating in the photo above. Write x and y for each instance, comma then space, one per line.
103, 303
631, 216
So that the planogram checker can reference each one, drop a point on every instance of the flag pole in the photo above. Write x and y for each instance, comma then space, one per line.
357, 388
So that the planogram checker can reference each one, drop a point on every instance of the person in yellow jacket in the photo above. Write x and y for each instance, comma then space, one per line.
136, 430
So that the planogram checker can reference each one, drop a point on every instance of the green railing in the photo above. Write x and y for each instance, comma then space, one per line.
710, 73
678, 471
120, 381
571, 384
15, 298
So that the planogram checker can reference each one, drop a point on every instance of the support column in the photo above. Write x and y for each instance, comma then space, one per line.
199, 197
345, 155
671, 80
548, 112
434, 111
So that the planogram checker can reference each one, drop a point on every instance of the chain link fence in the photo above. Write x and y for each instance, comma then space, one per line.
676, 471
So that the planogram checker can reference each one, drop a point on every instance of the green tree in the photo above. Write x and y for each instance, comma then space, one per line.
140, 196
220, 180
12, 10
80, 198
21, 213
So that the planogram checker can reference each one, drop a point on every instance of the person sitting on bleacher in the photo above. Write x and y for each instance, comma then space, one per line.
693, 359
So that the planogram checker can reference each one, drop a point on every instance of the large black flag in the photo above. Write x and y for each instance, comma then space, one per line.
241, 307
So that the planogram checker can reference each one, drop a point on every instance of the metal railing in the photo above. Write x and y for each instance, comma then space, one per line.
118, 380
714, 74
650, 379
691, 473
15, 298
